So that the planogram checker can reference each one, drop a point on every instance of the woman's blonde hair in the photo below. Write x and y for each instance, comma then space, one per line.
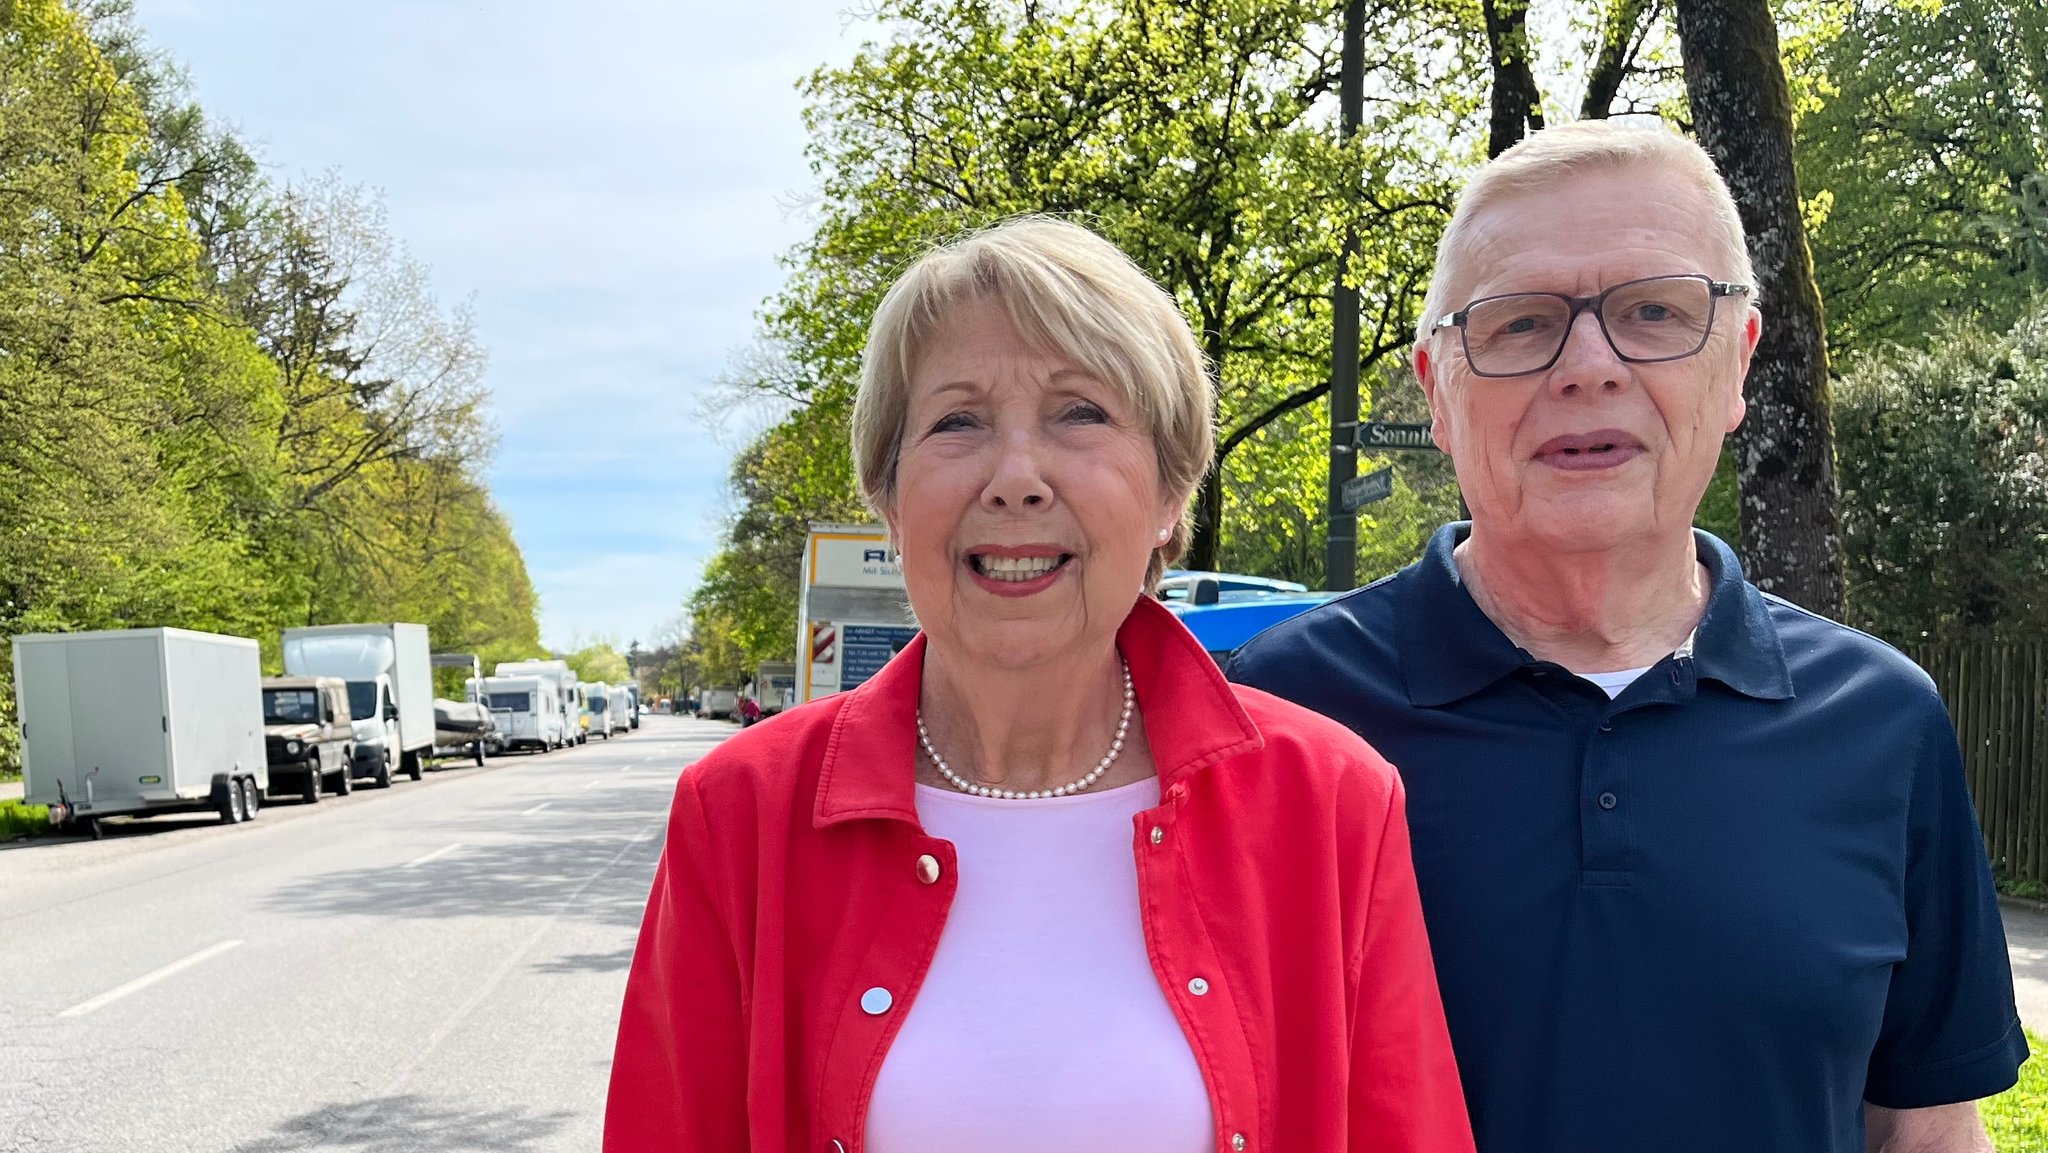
1543, 160
1072, 292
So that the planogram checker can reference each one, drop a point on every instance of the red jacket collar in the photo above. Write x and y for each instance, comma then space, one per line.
1192, 719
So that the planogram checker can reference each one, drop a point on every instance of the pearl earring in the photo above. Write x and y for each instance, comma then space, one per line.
1164, 534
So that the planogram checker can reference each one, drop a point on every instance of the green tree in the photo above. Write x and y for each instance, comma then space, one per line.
1945, 483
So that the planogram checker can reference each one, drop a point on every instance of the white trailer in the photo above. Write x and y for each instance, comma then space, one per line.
569, 697
854, 614
390, 671
140, 721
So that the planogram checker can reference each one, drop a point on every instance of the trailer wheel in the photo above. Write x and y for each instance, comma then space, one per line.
309, 792
252, 798
413, 762
231, 810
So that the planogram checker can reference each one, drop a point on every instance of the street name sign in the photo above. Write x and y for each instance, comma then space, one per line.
1384, 435
1360, 491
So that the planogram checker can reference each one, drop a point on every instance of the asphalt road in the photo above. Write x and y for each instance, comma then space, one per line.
432, 968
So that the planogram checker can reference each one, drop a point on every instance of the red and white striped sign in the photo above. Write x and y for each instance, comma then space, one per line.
824, 644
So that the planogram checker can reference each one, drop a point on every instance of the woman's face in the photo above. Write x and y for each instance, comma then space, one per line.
1028, 499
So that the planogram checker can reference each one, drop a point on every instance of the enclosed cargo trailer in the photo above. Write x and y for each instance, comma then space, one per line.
136, 722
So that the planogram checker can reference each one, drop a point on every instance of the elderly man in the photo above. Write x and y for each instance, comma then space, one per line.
1700, 868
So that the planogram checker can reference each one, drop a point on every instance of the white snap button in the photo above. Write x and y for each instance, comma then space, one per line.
928, 869
876, 1001
1237, 1142
1198, 987
1158, 834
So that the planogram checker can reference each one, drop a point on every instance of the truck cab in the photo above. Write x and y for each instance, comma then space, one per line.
308, 735
374, 724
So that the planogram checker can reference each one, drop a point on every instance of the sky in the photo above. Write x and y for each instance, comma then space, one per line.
613, 181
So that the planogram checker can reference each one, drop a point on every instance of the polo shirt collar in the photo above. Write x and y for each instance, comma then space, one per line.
1450, 649
1193, 720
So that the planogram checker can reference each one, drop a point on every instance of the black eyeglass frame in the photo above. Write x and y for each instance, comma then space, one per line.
1716, 289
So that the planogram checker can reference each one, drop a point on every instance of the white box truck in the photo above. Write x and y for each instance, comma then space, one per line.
568, 696
136, 722
390, 673
854, 614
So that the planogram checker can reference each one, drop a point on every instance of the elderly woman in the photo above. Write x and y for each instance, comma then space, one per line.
1047, 881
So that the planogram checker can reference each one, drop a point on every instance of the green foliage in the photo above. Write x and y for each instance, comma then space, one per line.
221, 407
1944, 473
600, 662
1923, 161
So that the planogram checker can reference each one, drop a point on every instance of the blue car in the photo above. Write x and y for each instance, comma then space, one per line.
1226, 624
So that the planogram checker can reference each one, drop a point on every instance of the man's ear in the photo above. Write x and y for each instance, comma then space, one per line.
1425, 375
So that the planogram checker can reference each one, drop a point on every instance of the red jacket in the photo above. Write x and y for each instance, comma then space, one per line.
1275, 868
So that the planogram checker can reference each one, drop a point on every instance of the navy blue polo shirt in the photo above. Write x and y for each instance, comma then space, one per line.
1717, 913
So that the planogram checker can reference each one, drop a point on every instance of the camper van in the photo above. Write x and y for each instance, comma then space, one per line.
527, 710
597, 704
568, 697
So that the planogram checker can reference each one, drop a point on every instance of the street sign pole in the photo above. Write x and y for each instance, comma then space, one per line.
1341, 559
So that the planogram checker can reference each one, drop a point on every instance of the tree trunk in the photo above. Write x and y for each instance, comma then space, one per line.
1616, 58
1206, 542
1785, 449
1517, 102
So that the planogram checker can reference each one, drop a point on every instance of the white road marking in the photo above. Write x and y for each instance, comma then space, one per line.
148, 979
436, 855
593, 784
625, 768
536, 808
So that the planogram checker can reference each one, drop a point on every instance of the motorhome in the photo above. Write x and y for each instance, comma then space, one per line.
526, 709
89, 750
390, 678
568, 697
619, 709
597, 702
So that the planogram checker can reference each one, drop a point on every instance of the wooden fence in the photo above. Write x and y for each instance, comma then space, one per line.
1997, 691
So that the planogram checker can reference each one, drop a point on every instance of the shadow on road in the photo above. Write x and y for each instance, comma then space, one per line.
411, 1124
534, 875
614, 962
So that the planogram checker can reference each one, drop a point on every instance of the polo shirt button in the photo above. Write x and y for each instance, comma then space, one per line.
876, 1001
1606, 726
928, 869
1198, 987
1609, 800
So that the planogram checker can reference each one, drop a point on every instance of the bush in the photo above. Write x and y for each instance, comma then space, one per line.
1943, 459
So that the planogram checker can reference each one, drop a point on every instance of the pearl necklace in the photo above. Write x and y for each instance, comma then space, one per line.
966, 786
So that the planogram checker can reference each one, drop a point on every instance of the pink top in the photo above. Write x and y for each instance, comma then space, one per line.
1041, 1024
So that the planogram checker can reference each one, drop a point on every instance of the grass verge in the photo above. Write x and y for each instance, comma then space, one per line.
20, 820
2018, 1117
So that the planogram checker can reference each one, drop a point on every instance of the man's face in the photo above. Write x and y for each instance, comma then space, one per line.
1593, 452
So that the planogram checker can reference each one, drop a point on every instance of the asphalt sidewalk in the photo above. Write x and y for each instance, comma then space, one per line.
2026, 942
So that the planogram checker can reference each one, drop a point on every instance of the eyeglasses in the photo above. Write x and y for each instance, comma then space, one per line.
1645, 321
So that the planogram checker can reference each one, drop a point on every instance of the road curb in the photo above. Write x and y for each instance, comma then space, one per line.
2023, 904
